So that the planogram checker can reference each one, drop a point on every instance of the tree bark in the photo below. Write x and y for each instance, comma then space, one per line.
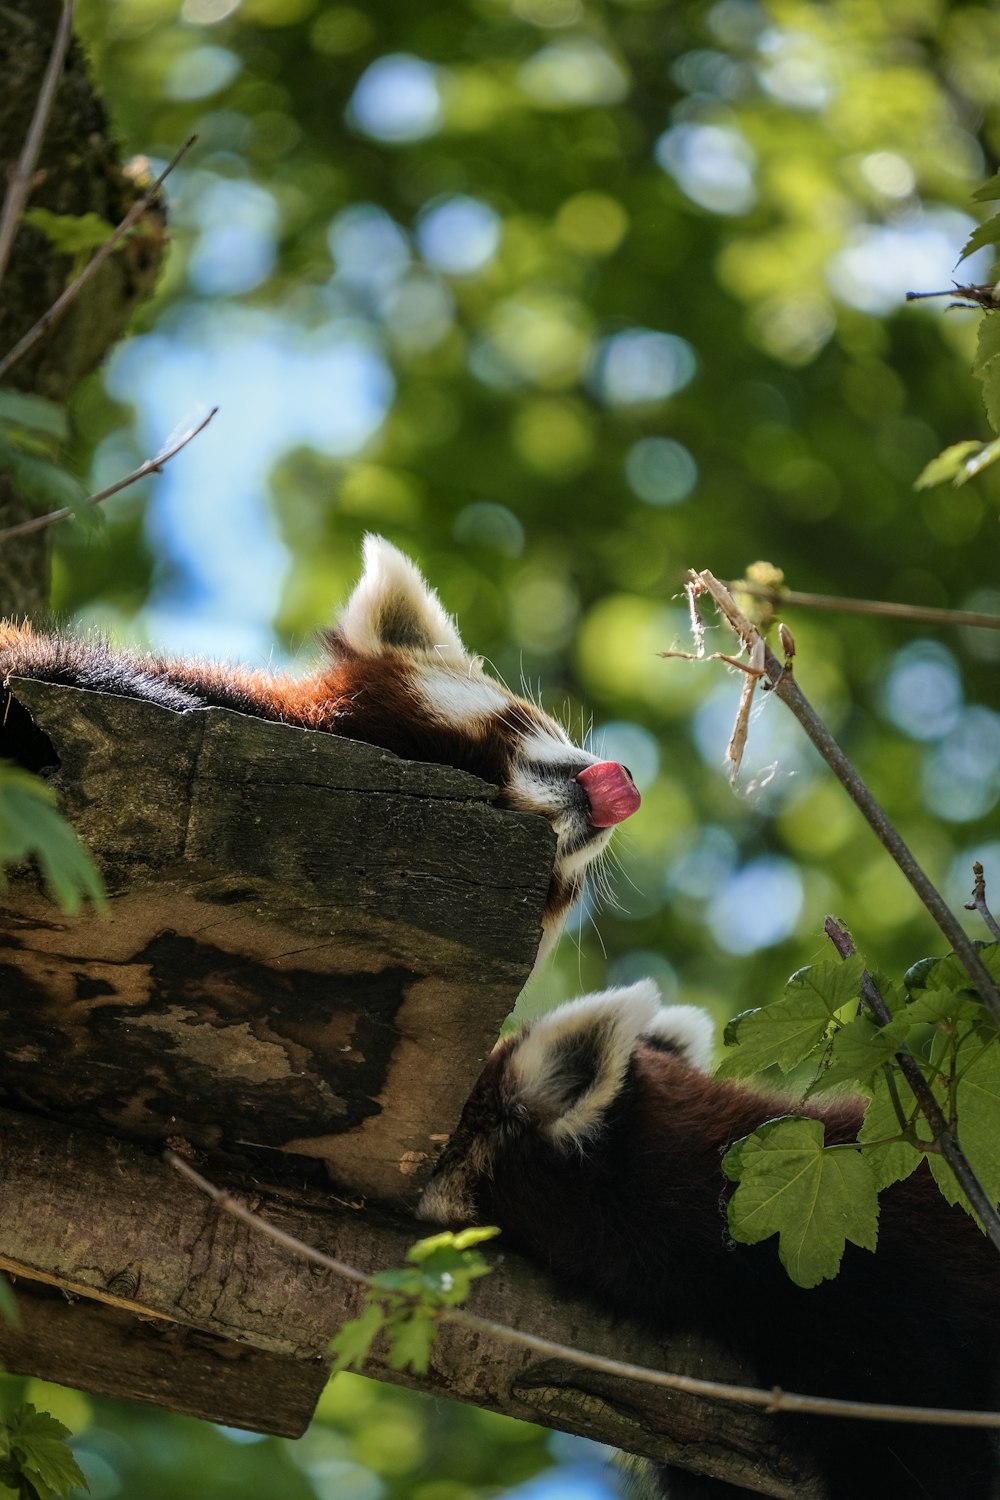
79, 172
100, 1220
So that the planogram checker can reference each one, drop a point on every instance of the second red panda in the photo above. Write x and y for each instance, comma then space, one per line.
595, 1141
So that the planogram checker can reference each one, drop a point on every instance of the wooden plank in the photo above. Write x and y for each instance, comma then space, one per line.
310, 948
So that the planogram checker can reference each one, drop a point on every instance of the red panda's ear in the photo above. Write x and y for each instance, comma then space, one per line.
686, 1030
393, 609
567, 1069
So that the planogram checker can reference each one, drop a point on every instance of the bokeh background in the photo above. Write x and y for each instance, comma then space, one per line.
565, 297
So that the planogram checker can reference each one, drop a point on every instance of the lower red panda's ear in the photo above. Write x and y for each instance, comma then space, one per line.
393, 609
569, 1066
686, 1030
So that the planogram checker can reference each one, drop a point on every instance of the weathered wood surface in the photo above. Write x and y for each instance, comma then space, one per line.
310, 947
102, 1220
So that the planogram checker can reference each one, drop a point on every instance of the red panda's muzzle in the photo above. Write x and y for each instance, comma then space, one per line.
611, 792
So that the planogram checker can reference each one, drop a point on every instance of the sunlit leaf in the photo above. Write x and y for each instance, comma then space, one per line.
38, 1441
814, 1199
785, 1032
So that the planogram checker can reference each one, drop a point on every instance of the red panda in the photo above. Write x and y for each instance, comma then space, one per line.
594, 1140
395, 674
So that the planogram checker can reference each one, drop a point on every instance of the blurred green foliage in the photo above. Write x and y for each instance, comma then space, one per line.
636, 270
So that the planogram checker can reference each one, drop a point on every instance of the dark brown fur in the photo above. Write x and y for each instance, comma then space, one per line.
637, 1219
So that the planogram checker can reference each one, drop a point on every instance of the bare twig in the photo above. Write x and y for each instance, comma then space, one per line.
978, 902
927, 614
941, 1131
151, 466
22, 179
97, 259
785, 687
982, 294
772, 1400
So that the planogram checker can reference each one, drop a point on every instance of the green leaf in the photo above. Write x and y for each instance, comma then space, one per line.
35, 413
859, 1050
38, 1441
70, 234
987, 343
986, 234
48, 484
950, 465
814, 1199
977, 1108
352, 1343
31, 827
787, 1031
8, 1304
463, 1239
411, 1339
896, 1160
989, 190
990, 377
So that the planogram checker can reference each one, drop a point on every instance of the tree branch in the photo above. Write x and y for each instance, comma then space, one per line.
23, 177
978, 902
100, 255
927, 614
785, 687
151, 466
773, 1400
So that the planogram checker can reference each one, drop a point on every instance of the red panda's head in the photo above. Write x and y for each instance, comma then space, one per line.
400, 676
548, 1092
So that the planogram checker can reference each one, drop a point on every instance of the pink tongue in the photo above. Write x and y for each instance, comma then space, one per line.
611, 793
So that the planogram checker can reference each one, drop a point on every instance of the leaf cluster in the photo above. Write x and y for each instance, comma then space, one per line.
817, 1197
35, 1459
31, 827
33, 434
960, 462
404, 1304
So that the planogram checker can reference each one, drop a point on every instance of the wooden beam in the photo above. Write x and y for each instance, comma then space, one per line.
310, 948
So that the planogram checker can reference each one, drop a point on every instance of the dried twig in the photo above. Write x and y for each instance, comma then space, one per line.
978, 902
773, 1400
100, 255
151, 466
785, 687
940, 1129
22, 179
927, 614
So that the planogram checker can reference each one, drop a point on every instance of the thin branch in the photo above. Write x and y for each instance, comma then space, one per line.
927, 614
22, 179
151, 466
785, 687
942, 1132
773, 1400
100, 255
978, 902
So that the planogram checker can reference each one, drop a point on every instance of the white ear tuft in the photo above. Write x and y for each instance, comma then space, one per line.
569, 1066
685, 1029
393, 609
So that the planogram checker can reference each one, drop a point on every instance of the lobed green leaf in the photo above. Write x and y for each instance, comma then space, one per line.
38, 1443
787, 1031
815, 1199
